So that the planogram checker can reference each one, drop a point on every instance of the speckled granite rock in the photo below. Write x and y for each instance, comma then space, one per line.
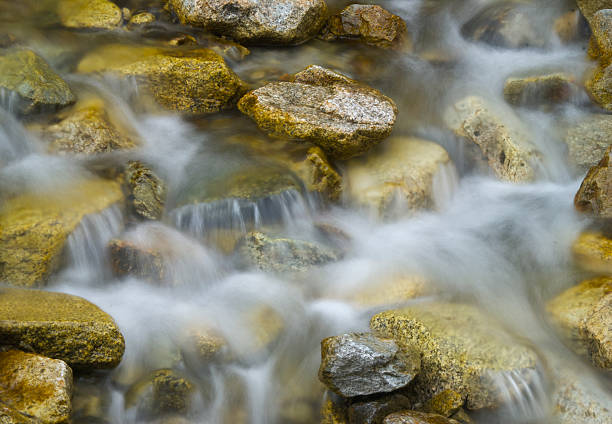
588, 140
595, 193
147, 191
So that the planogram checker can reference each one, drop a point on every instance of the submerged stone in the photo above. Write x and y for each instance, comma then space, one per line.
593, 252
35, 386
575, 402
462, 349
255, 21
336, 113
599, 85
588, 140
32, 80
130, 259
359, 364
540, 90
147, 192
162, 392
370, 24
59, 326
34, 228
89, 14
592, 196
196, 81
414, 417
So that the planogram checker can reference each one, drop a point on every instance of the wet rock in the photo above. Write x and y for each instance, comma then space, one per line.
281, 255
334, 112
59, 326
36, 86
592, 196
575, 402
383, 291
540, 90
445, 403
36, 386
334, 410
206, 344
504, 24
462, 349
374, 409
359, 364
583, 314
570, 26
147, 192
503, 142
370, 24
131, 259
162, 392
91, 402
601, 25
89, 14
141, 19
590, 7
599, 85
593, 252
11, 416
34, 228
255, 21
588, 140
414, 417
196, 81
396, 176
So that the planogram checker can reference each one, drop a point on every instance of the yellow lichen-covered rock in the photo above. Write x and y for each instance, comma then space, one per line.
583, 314
445, 403
59, 326
34, 228
90, 14
140, 19
163, 391
502, 141
592, 196
462, 349
334, 410
601, 25
147, 192
588, 140
396, 176
36, 386
36, 85
336, 113
593, 252
197, 81
599, 84
11, 416
590, 7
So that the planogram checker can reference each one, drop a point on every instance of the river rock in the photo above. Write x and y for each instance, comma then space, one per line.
445, 403
336, 113
147, 192
574, 402
34, 228
255, 21
36, 86
583, 314
374, 409
588, 140
502, 141
590, 7
601, 25
592, 196
11, 416
89, 14
593, 252
414, 417
141, 19
360, 364
59, 326
540, 90
128, 258
462, 349
282, 255
368, 23
196, 81
599, 85
36, 386
397, 175
162, 392
570, 26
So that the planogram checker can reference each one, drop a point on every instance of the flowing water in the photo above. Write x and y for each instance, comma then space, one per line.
502, 246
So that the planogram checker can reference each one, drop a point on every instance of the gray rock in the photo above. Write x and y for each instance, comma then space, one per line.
359, 364
373, 410
338, 114
588, 140
255, 21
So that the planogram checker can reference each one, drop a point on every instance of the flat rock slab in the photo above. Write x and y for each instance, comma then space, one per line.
359, 364
338, 114
284, 22
462, 349
60, 326
35, 386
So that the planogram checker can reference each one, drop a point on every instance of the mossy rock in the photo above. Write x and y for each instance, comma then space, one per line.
89, 14
60, 326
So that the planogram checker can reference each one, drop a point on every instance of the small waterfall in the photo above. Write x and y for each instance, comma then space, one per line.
523, 395
15, 142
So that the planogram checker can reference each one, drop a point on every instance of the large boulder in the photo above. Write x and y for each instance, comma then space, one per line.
255, 21
89, 14
359, 364
396, 176
593, 252
540, 90
462, 349
36, 386
36, 86
599, 84
583, 314
197, 81
414, 417
368, 23
337, 113
34, 228
588, 140
502, 141
592, 196
59, 326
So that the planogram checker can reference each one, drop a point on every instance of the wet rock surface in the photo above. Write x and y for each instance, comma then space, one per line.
540, 90
129, 258
588, 140
359, 364
414, 417
256, 22
594, 195
60, 326
338, 114
590, 7
89, 14
30, 78
162, 392
593, 252
462, 349
196, 81
147, 192
574, 401
35, 386
370, 24
601, 25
